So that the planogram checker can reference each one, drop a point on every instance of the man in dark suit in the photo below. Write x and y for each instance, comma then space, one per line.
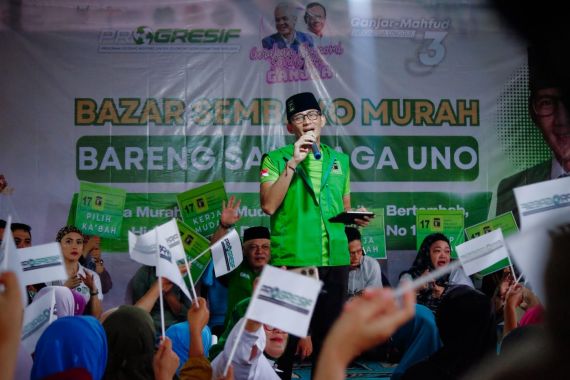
549, 114
286, 36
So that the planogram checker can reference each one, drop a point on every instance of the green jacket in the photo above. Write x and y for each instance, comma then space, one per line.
296, 233
240, 285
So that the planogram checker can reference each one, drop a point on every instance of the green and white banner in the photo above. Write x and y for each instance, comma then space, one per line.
374, 235
447, 222
100, 210
428, 100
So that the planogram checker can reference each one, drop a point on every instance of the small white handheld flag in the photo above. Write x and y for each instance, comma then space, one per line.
169, 232
42, 263
9, 259
544, 203
482, 252
37, 317
285, 300
142, 248
166, 265
227, 253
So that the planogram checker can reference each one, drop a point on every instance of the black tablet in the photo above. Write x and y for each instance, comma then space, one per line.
348, 217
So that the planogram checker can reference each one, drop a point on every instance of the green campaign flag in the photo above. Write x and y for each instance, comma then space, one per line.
374, 235
506, 222
100, 210
194, 244
448, 222
201, 207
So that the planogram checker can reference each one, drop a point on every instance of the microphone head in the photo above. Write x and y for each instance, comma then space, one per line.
316, 151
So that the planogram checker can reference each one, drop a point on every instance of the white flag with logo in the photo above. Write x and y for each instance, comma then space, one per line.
37, 317
9, 259
142, 248
42, 263
285, 300
544, 203
227, 253
530, 251
482, 252
166, 264
169, 231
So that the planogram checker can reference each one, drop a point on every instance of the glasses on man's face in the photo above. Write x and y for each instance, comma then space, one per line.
300, 118
546, 105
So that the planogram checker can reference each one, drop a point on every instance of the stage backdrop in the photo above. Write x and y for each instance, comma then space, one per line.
427, 98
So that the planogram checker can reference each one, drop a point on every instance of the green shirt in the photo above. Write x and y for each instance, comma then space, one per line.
301, 234
240, 286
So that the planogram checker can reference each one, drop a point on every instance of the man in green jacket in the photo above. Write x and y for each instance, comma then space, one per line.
303, 185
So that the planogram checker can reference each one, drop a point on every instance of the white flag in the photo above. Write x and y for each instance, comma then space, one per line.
142, 248
42, 263
482, 252
9, 260
169, 231
530, 251
285, 300
227, 253
544, 203
166, 264
37, 317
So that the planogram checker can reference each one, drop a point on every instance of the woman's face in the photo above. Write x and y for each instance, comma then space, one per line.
440, 254
276, 341
72, 246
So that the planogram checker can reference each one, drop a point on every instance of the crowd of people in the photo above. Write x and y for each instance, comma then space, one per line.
451, 330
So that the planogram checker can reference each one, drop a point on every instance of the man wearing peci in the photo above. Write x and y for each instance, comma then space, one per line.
301, 193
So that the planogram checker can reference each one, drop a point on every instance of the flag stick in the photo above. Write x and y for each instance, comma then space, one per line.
161, 305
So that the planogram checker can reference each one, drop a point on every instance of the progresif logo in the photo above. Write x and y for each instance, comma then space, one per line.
228, 254
145, 35
43, 262
545, 204
36, 323
164, 253
142, 34
285, 299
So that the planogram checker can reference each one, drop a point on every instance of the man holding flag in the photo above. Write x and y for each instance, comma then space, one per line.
256, 245
303, 185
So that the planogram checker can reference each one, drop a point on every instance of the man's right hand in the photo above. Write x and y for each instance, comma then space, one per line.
302, 147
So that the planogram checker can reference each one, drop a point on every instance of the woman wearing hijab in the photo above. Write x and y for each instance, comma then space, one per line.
179, 334
466, 324
131, 336
67, 302
71, 343
434, 253
82, 280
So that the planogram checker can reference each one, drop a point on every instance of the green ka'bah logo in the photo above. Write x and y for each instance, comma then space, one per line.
437, 224
99, 203
200, 204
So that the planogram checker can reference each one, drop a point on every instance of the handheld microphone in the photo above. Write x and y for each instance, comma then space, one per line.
316, 151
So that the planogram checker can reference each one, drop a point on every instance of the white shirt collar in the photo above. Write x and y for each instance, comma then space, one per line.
557, 170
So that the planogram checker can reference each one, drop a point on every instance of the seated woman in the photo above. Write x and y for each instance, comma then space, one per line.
82, 280
251, 357
434, 253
